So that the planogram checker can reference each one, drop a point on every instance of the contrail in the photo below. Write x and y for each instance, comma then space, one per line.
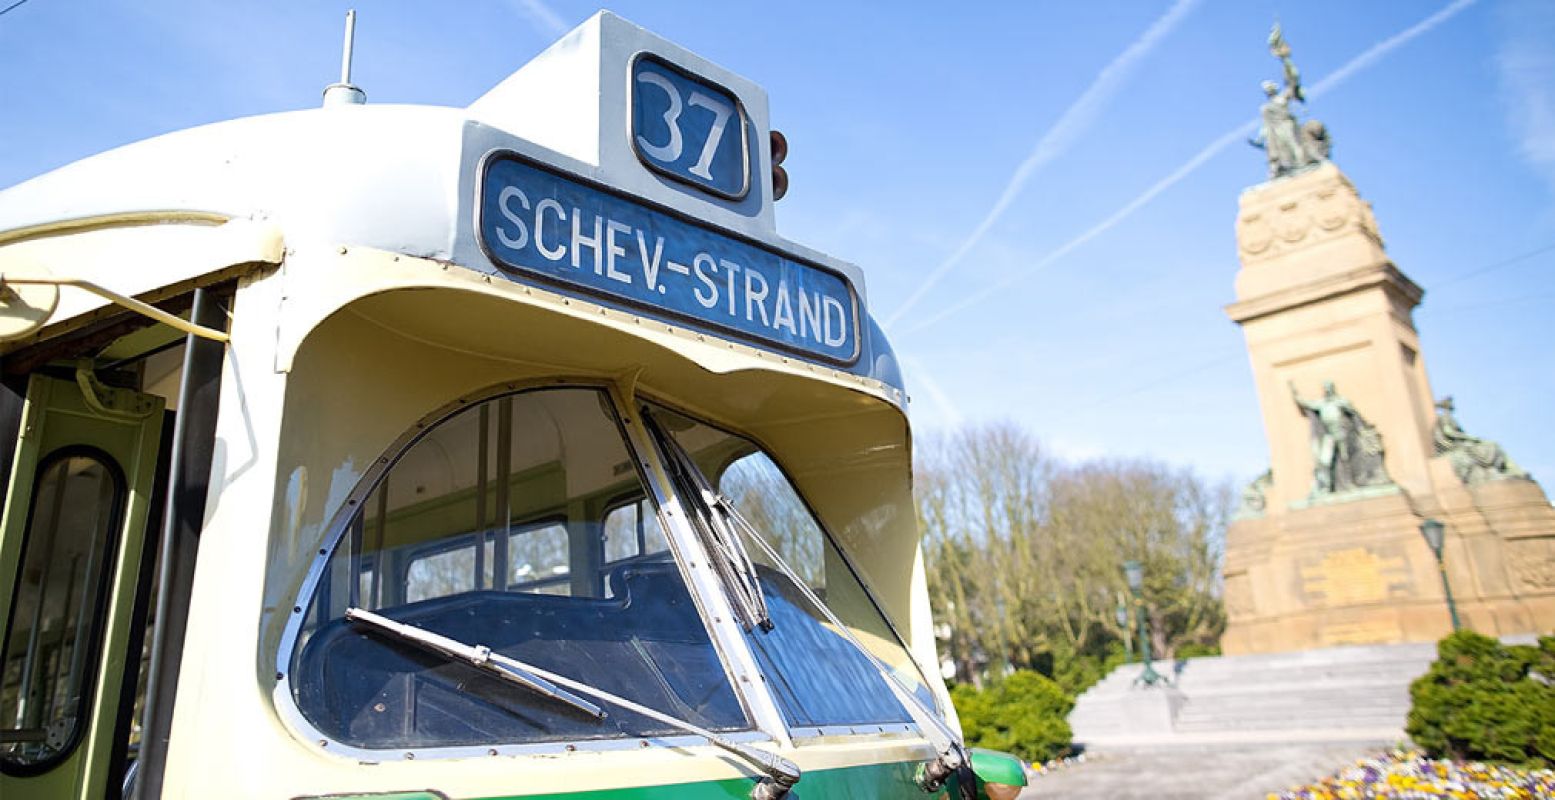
1074, 122
545, 19
937, 394
1239, 133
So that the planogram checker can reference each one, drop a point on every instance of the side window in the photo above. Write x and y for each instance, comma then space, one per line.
539, 559
632, 531
822, 679
499, 527
52, 637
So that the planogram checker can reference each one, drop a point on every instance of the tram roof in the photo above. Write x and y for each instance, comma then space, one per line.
404, 178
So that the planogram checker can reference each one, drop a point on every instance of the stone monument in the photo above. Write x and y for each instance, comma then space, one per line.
1325, 548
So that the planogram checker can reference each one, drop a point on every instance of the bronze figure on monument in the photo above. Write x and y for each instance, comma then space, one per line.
1346, 449
1289, 146
1474, 460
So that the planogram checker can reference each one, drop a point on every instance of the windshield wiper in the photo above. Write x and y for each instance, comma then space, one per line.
478, 656
781, 773
731, 562
952, 751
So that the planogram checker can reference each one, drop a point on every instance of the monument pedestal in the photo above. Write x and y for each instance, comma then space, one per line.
1320, 302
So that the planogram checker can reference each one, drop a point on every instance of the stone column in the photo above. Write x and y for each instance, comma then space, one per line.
1318, 300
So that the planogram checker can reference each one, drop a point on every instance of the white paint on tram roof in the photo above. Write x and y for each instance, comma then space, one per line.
402, 178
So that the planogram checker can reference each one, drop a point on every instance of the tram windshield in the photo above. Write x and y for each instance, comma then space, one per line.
819, 677
520, 523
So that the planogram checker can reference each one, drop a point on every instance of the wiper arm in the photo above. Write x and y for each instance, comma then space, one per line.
714, 525
953, 755
476, 655
781, 773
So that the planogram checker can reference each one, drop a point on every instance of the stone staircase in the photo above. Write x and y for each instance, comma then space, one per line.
1340, 694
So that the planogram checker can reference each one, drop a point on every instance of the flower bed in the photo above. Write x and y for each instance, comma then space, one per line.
1408, 774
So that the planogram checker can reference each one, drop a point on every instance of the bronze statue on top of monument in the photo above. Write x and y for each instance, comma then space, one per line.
1346, 449
1474, 460
1290, 148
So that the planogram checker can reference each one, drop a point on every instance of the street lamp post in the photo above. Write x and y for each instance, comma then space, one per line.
1135, 573
1122, 615
1435, 535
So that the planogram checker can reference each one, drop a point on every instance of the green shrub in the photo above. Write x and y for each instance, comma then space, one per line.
1076, 672
1023, 714
1196, 650
1483, 700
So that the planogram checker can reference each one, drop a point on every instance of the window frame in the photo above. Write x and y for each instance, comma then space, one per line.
628, 501
803, 733
339, 527
111, 558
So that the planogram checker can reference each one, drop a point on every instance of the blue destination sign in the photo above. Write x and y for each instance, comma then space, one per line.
536, 222
689, 129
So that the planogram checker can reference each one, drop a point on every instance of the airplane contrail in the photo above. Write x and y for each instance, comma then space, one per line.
1370, 56
947, 406
544, 18
1074, 121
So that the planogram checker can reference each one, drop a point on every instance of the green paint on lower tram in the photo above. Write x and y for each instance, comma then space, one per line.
895, 780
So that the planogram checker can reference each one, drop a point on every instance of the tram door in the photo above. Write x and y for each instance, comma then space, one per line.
71, 544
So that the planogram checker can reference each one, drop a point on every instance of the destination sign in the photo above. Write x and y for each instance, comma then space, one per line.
536, 222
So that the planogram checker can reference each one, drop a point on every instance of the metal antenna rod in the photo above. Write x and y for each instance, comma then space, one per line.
345, 56
345, 93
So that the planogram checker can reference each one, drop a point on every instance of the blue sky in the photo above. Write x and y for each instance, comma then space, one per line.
907, 122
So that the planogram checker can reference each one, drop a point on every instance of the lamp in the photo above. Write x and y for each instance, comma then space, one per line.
1435, 534
1134, 573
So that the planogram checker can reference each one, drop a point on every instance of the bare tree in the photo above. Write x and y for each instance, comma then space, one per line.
1025, 552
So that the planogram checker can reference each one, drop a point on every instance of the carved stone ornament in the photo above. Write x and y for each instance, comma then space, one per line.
1329, 210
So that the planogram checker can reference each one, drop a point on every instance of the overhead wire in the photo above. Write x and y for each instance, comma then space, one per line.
1230, 356
12, 7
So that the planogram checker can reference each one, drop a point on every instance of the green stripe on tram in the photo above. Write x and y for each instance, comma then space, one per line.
874, 780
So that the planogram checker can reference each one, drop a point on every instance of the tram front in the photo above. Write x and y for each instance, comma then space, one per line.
536, 462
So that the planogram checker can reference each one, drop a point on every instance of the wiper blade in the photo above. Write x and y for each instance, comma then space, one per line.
953, 753
731, 561
476, 655
781, 773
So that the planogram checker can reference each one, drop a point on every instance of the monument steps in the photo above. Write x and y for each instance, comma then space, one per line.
1355, 693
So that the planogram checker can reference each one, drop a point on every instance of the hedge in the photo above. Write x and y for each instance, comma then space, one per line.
1022, 714
1485, 701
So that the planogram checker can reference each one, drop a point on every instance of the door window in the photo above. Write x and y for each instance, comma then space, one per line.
53, 636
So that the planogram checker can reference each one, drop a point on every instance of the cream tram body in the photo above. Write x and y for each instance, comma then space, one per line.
395, 422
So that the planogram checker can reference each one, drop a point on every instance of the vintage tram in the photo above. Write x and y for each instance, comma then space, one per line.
404, 452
